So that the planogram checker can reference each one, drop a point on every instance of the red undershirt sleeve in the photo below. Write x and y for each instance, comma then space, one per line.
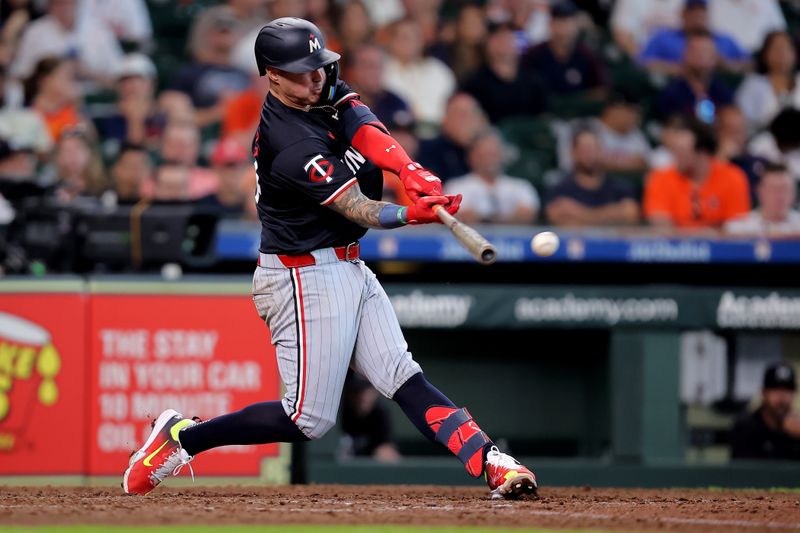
380, 148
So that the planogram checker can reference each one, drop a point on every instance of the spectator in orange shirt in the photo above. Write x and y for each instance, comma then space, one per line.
243, 111
699, 190
52, 91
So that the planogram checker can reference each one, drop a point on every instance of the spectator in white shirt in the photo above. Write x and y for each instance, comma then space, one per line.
775, 85
15, 15
624, 146
128, 19
489, 195
774, 216
635, 21
383, 12
747, 21
424, 82
63, 33
532, 17
252, 14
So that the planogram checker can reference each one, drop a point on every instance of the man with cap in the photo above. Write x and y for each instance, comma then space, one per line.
563, 63
135, 118
320, 153
772, 431
212, 79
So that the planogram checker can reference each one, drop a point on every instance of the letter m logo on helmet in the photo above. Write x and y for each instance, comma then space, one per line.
313, 44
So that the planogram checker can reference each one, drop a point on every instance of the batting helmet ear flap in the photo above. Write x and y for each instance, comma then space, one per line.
331, 77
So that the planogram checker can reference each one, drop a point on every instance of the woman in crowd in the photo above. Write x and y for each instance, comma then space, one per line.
77, 166
776, 84
462, 42
353, 27
52, 91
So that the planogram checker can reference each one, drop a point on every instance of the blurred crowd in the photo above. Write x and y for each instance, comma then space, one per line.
679, 114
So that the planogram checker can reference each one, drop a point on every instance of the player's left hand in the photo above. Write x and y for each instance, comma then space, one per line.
423, 212
420, 182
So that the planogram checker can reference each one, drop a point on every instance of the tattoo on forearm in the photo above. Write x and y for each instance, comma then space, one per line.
353, 205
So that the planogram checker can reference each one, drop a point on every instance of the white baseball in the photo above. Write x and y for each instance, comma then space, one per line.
545, 244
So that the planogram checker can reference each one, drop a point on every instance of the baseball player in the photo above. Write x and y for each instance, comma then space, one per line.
319, 154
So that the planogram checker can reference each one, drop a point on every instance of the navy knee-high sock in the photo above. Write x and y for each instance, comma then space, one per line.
260, 423
415, 396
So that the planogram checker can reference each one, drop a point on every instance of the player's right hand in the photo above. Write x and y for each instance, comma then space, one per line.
422, 211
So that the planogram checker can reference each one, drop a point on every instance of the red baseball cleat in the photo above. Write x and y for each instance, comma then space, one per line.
160, 456
506, 477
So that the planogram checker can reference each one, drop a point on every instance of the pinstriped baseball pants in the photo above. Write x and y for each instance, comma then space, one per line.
323, 319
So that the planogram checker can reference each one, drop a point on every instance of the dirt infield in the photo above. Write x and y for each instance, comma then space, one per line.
605, 509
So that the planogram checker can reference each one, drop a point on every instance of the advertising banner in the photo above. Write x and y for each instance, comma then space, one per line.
202, 355
43, 366
651, 307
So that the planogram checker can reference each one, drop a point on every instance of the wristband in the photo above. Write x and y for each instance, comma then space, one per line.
392, 216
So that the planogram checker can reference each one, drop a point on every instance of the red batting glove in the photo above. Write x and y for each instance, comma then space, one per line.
422, 211
419, 182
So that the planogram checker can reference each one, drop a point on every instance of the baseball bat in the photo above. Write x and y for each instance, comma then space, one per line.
475, 243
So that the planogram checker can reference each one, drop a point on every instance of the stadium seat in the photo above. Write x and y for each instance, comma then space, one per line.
171, 26
624, 73
574, 105
535, 144
530, 165
529, 132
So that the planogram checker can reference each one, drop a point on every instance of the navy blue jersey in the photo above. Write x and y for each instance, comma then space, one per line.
304, 161
610, 191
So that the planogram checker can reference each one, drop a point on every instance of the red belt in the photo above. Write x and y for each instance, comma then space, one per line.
350, 252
